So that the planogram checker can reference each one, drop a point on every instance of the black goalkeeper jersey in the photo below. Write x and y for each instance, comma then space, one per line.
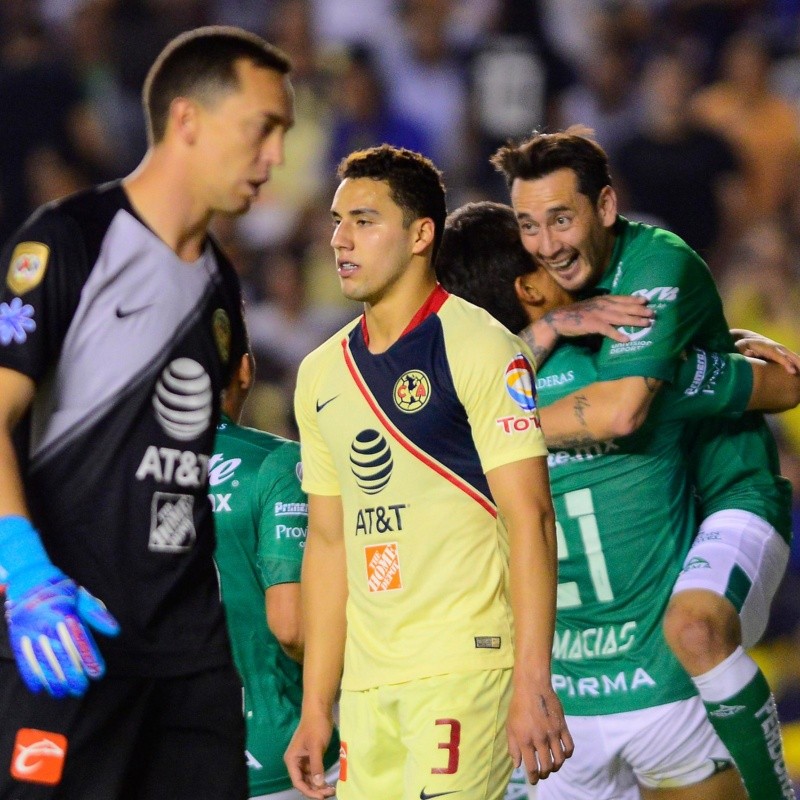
129, 348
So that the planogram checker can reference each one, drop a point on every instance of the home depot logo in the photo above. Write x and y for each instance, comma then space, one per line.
38, 756
383, 567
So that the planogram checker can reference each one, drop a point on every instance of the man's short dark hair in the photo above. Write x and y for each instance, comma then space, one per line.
480, 258
544, 153
201, 63
415, 184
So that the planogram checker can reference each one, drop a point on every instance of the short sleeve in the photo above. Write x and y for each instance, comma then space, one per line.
679, 288
44, 268
709, 384
283, 520
496, 384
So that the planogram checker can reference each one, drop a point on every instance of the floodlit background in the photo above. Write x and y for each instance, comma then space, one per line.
696, 101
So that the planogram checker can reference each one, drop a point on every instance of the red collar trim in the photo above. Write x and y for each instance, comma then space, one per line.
431, 306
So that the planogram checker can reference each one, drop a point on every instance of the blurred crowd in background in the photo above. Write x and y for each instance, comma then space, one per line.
697, 103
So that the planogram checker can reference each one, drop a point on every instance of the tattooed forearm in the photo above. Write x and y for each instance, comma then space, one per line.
579, 407
538, 351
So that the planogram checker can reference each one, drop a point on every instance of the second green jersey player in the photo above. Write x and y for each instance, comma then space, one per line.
261, 514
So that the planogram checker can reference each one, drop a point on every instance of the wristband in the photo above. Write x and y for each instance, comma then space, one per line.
24, 562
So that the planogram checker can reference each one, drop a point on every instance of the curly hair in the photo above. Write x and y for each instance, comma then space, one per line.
415, 184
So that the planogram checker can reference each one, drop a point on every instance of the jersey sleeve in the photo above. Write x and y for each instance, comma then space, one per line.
680, 290
496, 384
283, 517
709, 384
44, 268
319, 472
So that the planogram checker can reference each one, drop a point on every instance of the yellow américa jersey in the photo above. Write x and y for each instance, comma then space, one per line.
405, 437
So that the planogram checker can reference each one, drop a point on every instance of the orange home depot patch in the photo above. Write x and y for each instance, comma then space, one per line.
383, 567
342, 761
38, 756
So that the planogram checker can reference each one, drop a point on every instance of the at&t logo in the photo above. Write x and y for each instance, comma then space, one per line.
371, 461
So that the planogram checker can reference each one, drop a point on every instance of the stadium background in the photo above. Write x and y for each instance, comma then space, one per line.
696, 101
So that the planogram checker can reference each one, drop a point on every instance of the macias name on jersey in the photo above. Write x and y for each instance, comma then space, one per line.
602, 641
603, 685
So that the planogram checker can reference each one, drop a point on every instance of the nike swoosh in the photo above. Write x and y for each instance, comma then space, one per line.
127, 312
423, 795
320, 406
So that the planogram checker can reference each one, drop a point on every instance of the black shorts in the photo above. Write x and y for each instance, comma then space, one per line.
177, 738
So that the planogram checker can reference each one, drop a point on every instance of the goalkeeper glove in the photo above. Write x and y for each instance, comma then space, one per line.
49, 616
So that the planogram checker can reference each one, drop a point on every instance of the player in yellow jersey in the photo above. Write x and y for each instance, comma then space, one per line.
430, 568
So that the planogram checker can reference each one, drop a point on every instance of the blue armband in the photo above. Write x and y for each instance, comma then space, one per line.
24, 562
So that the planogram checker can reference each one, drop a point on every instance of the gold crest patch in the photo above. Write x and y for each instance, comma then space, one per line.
28, 266
221, 326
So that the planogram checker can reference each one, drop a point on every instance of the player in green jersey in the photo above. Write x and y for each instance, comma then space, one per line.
482, 259
567, 214
260, 514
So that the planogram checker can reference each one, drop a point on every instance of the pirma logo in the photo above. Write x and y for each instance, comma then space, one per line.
38, 756
519, 382
371, 461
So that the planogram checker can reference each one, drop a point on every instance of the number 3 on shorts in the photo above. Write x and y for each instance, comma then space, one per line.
451, 745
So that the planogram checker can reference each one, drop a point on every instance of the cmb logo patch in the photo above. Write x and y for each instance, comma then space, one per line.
383, 567
28, 266
38, 756
520, 382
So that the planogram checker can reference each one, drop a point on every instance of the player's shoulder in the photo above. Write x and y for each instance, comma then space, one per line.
472, 331
648, 256
330, 350
87, 212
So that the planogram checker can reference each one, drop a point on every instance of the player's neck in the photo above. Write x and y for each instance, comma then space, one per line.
161, 198
389, 316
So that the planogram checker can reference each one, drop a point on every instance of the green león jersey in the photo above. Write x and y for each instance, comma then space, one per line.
261, 515
625, 509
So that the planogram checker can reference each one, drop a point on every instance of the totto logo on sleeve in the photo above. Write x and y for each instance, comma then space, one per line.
38, 756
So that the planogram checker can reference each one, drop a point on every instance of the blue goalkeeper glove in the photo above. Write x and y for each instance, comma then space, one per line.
49, 616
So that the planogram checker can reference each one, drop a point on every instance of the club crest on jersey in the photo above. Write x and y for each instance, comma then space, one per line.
221, 328
520, 382
28, 265
412, 391
371, 461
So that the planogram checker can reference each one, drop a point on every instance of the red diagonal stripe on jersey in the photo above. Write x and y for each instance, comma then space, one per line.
438, 468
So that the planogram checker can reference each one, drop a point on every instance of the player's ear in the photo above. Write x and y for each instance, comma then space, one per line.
607, 206
424, 230
246, 373
184, 119
526, 292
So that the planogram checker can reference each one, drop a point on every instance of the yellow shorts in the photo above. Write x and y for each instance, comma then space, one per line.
427, 738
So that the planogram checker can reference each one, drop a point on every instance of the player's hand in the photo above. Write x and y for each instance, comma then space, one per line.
754, 345
537, 732
48, 626
303, 756
603, 315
